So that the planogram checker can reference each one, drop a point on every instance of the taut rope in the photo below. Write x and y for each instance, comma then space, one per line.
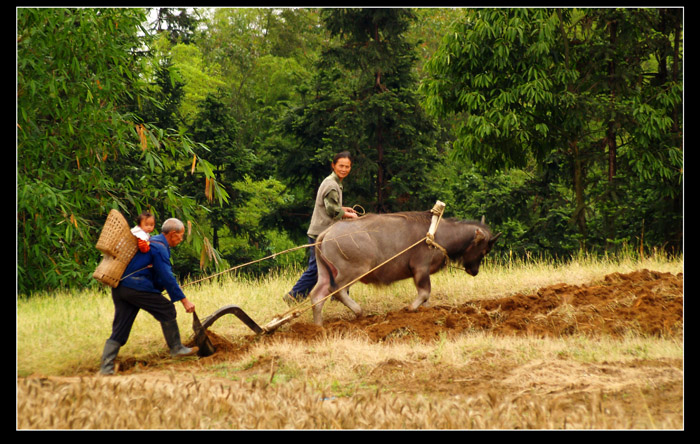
429, 239
294, 312
272, 256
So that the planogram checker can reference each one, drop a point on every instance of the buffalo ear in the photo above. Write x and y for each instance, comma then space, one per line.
493, 239
478, 235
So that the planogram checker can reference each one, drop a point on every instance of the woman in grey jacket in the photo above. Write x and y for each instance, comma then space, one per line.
328, 209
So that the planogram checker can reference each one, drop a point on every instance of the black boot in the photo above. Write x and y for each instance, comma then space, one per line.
108, 356
172, 338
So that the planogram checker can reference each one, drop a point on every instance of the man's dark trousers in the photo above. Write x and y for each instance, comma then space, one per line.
128, 302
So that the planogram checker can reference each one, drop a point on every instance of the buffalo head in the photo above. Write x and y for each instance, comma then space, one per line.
476, 251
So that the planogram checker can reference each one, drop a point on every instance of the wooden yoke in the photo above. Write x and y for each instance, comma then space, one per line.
438, 210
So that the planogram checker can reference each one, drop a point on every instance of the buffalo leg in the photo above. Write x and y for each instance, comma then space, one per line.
422, 281
317, 296
320, 292
341, 280
344, 297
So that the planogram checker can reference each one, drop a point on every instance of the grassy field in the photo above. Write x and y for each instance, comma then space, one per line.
414, 384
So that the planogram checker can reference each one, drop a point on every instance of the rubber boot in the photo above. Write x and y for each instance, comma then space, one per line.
172, 338
108, 356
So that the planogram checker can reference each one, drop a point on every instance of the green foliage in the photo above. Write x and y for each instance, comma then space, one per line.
73, 70
364, 102
178, 24
563, 127
199, 79
542, 90
496, 70
82, 148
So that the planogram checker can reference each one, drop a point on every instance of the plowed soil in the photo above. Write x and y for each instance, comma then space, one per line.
489, 390
643, 302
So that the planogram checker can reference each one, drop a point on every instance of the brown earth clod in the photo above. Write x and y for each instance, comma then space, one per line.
644, 302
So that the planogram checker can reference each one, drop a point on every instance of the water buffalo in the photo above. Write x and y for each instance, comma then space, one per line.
350, 248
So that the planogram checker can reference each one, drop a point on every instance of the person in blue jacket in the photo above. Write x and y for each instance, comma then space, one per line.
145, 278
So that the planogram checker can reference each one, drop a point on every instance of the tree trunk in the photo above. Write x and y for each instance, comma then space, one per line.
381, 178
677, 243
611, 136
380, 168
579, 217
676, 56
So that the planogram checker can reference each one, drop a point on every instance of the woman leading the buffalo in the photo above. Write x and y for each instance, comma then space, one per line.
327, 210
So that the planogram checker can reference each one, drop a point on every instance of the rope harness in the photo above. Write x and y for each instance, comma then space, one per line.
295, 312
429, 238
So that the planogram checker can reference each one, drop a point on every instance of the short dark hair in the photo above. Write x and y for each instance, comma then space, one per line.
143, 216
342, 155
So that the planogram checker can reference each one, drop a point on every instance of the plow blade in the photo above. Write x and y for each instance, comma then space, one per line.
234, 310
204, 345
206, 348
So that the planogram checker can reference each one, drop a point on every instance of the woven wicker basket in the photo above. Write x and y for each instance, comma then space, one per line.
116, 238
110, 270
118, 246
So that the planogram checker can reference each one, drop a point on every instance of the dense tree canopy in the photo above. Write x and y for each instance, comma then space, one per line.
365, 101
563, 126
582, 98
82, 145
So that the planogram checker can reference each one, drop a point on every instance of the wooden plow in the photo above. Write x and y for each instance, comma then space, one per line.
204, 344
